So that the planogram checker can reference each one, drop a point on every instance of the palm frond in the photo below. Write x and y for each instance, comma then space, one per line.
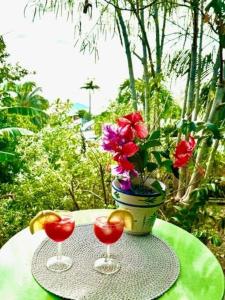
15, 131
6, 156
25, 111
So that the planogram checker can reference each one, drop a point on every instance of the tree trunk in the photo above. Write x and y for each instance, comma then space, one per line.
129, 58
213, 82
186, 95
194, 52
211, 158
199, 74
191, 93
145, 38
184, 105
157, 38
145, 74
163, 30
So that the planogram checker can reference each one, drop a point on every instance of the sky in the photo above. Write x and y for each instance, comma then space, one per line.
47, 47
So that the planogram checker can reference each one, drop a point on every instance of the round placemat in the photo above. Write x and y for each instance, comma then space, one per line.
149, 267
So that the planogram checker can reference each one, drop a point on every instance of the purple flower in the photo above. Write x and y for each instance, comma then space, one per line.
124, 177
125, 184
119, 170
112, 139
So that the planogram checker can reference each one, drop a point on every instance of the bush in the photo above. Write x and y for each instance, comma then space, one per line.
57, 172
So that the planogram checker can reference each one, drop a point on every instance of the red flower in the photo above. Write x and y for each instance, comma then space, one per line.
124, 151
132, 126
184, 152
124, 164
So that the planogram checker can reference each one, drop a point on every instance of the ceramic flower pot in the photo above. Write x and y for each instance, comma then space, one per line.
143, 207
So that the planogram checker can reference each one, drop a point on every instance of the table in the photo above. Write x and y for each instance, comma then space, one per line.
201, 276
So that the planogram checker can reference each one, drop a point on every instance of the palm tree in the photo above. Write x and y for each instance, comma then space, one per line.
20, 99
90, 86
27, 95
15, 132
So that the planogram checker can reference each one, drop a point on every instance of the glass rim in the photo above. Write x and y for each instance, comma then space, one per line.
68, 213
105, 223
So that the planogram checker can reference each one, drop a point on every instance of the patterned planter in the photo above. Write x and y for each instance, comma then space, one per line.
143, 207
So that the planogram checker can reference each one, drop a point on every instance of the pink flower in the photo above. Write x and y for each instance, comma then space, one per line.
183, 152
119, 140
132, 126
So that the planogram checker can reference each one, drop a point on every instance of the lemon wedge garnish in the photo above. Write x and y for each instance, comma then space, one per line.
44, 216
124, 215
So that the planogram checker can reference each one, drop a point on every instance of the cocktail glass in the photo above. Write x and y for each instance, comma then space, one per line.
107, 233
58, 231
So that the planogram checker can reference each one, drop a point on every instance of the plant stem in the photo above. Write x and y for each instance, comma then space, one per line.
59, 251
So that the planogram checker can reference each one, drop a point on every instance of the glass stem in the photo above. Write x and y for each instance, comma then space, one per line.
59, 251
108, 252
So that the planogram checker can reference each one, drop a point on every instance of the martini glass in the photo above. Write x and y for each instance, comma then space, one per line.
58, 231
108, 233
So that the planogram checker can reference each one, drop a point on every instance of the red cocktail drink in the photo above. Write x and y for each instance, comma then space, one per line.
59, 230
108, 233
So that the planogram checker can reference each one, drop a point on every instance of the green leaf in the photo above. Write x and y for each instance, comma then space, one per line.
191, 126
209, 141
157, 157
6, 156
165, 154
214, 129
149, 144
168, 165
139, 160
155, 135
186, 126
199, 126
216, 240
153, 140
151, 166
157, 186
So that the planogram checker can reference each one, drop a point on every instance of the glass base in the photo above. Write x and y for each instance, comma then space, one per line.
107, 266
59, 265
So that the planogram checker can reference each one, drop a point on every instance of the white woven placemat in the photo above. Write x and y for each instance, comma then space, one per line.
149, 267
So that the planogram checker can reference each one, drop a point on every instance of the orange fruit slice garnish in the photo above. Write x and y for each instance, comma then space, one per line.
44, 216
124, 215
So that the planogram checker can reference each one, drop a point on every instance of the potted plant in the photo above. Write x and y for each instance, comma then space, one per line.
134, 188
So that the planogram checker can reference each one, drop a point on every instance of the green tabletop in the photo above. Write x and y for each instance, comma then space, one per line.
201, 276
